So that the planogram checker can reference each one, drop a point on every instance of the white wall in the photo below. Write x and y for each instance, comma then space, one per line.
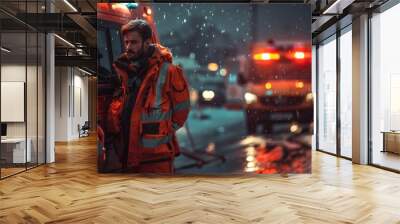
13, 73
61, 103
81, 100
34, 125
71, 93
9, 73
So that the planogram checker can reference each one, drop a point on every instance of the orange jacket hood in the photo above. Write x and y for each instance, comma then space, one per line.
160, 54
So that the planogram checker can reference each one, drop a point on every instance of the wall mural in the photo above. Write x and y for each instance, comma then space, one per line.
191, 88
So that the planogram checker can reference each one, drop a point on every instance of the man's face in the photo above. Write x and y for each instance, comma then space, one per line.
134, 46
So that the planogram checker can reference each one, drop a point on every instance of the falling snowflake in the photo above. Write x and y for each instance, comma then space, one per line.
237, 29
205, 17
184, 21
206, 45
171, 33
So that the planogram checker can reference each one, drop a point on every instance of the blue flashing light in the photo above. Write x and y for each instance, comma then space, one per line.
131, 5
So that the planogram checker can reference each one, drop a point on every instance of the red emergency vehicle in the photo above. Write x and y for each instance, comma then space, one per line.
277, 86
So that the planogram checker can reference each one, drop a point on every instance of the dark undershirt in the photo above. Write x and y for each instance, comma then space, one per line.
135, 79
133, 85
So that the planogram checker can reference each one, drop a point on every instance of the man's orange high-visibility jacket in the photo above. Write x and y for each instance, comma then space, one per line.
161, 108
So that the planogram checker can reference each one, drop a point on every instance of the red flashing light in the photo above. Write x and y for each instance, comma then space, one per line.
103, 6
121, 8
266, 56
299, 55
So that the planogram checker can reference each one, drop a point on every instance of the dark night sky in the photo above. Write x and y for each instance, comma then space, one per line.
279, 21
220, 31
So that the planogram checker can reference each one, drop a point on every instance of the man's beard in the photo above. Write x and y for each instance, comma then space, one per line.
134, 57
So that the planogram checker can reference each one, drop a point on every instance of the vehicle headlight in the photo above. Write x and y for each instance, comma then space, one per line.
295, 128
208, 95
250, 98
309, 97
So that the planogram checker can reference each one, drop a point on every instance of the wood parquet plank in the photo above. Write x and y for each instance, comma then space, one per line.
71, 191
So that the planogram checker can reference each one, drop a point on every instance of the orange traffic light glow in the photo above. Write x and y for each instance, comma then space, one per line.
299, 85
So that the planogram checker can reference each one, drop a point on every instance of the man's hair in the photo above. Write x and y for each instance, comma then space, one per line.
140, 26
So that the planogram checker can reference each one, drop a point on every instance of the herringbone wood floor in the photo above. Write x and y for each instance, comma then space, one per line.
71, 191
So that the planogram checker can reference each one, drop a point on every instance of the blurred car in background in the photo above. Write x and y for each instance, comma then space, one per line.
277, 85
210, 88
212, 93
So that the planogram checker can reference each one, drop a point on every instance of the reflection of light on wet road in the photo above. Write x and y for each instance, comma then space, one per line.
210, 147
250, 158
252, 140
251, 151
260, 159
250, 169
251, 165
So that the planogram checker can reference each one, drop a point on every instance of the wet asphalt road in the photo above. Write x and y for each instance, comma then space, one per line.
262, 154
